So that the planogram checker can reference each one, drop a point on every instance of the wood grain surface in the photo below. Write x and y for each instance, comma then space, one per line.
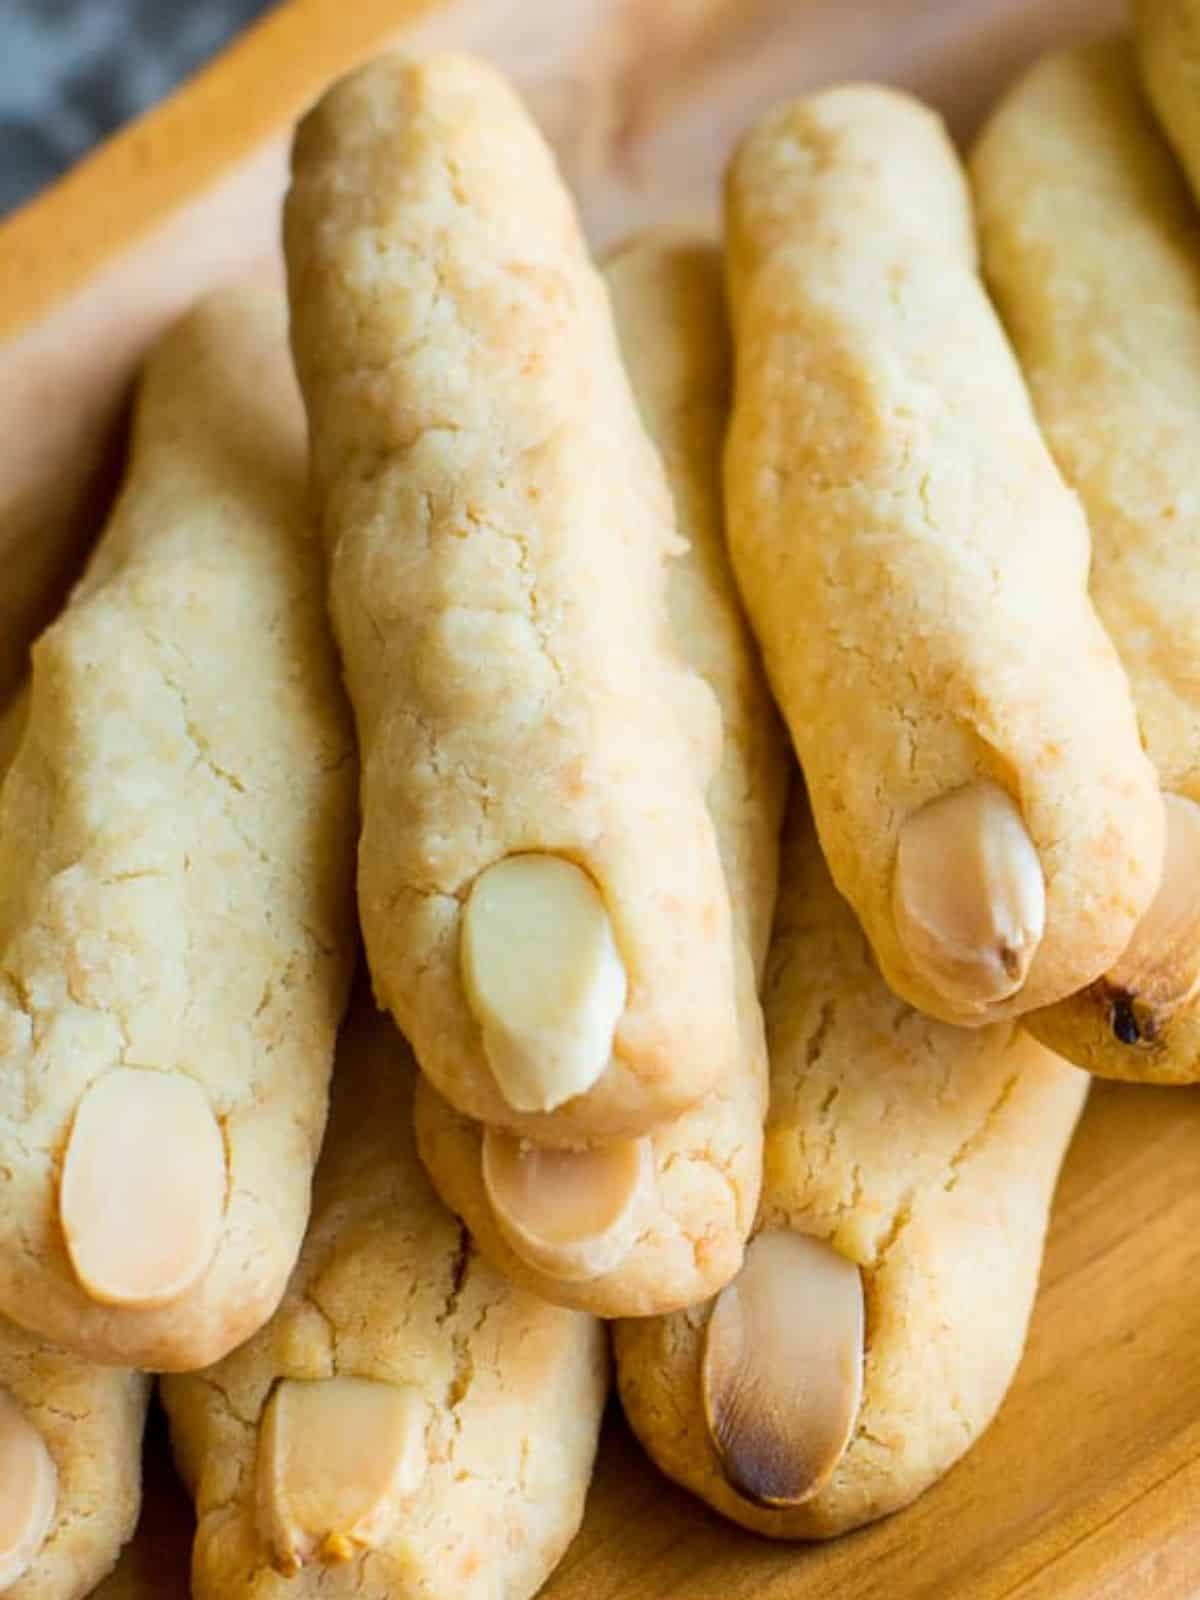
1088, 1485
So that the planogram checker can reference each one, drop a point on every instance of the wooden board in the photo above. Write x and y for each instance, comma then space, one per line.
1087, 1487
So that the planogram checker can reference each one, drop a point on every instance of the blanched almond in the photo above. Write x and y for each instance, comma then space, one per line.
142, 1192
1159, 972
969, 895
28, 1491
782, 1368
571, 1213
336, 1459
543, 976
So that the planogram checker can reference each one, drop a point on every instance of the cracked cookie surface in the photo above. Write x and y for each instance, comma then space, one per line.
912, 563
390, 1289
926, 1155
89, 1422
90, 1419
691, 1227
1092, 249
499, 531
176, 838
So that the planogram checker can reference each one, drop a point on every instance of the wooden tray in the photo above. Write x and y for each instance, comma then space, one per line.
1089, 1483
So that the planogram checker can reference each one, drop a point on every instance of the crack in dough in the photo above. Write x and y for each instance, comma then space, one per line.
932, 1167
513, 1389
176, 838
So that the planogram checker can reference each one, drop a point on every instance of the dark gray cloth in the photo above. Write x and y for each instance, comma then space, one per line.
72, 71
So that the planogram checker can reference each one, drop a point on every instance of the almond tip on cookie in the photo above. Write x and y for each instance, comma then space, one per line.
28, 1492
336, 1459
142, 1192
543, 977
969, 895
1158, 974
573, 1214
782, 1368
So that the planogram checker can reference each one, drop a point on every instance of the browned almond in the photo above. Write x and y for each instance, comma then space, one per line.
782, 1368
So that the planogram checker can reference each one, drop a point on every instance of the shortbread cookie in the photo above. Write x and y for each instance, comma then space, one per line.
1091, 245
176, 859
882, 1308
539, 885
409, 1424
70, 1468
1167, 33
916, 571
70, 1438
639, 1227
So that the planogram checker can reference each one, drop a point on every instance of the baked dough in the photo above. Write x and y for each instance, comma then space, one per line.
913, 565
176, 847
1091, 246
12, 727
1167, 33
499, 530
506, 1392
688, 1225
925, 1154
70, 1437
89, 1420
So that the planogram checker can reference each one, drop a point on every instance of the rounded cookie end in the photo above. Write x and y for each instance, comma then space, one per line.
28, 1492
1158, 973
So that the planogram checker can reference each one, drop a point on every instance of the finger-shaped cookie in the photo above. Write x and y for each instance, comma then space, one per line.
176, 860
70, 1437
882, 1307
539, 885
409, 1423
1167, 34
916, 571
1091, 245
646, 1226
70, 1468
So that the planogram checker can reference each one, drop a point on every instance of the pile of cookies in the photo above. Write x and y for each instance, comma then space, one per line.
473, 640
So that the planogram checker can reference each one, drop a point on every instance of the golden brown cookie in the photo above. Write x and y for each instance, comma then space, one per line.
539, 883
1092, 248
1167, 35
882, 1308
633, 1231
408, 1423
12, 727
70, 1468
70, 1437
916, 572
176, 837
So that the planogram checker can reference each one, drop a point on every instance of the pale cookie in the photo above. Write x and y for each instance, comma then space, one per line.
916, 571
646, 1226
409, 1424
70, 1438
500, 530
176, 847
1091, 245
1167, 35
882, 1309
70, 1468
